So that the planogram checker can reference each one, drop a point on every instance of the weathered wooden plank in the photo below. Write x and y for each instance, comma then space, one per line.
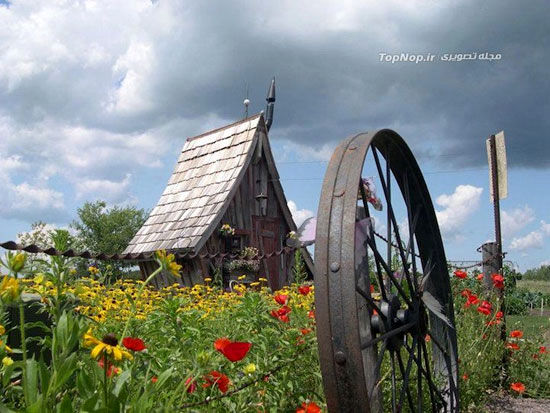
239, 208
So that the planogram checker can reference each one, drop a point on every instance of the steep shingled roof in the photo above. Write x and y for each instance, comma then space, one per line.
209, 167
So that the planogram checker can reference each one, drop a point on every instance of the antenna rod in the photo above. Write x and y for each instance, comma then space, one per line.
270, 104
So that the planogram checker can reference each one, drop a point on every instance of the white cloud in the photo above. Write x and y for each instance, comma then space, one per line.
299, 215
515, 220
535, 239
306, 152
532, 240
457, 209
545, 228
112, 191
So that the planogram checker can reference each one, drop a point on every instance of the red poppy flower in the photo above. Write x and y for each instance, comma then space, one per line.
220, 343
284, 318
304, 289
472, 300
154, 379
542, 350
465, 377
516, 334
499, 315
479, 277
371, 288
518, 387
233, 350
111, 370
305, 331
284, 310
427, 338
215, 378
512, 346
460, 274
465, 293
190, 385
310, 407
311, 314
498, 281
485, 307
133, 343
281, 299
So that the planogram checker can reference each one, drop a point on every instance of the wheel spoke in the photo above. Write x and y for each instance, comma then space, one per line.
388, 271
379, 278
405, 373
370, 301
379, 361
393, 405
391, 217
432, 387
425, 372
388, 335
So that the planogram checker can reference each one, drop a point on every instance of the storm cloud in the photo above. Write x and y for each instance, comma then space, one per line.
92, 90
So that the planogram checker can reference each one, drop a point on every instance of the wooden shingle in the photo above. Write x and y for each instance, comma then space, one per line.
206, 172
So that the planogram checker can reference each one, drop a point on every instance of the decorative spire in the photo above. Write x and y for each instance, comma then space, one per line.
270, 104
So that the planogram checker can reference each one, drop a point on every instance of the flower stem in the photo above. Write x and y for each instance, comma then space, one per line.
23, 349
105, 367
140, 291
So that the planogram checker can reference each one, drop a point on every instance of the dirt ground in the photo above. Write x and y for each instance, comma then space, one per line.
507, 404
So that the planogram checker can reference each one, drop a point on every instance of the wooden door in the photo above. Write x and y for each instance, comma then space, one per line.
267, 241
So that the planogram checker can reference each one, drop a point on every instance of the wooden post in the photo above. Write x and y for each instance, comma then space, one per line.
496, 204
496, 258
489, 251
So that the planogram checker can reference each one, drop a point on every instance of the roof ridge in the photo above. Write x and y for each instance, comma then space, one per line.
224, 127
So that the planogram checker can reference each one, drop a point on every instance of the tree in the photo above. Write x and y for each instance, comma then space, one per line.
108, 230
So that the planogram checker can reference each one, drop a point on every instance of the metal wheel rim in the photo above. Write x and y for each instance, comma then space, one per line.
347, 370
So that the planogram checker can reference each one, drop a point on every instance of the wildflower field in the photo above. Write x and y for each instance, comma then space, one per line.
128, 347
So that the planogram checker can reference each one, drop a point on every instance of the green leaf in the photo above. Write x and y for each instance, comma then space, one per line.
37, 406
44, 376
85, 384
165, 375
121, 380
90, 404
31, 382
66, 405
64, 372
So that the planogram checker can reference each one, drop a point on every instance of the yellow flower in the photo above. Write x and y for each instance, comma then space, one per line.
263, 279
17, 262
93, 270
9, 289
208, 279
2, 330
254, 284
9, 350
72, 271
109, 345
249, 368
7, 361
167, 262
39, 279
242, 277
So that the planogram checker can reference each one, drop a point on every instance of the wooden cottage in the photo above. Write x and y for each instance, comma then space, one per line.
225, 176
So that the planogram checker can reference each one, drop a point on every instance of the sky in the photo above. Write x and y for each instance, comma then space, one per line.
98, 97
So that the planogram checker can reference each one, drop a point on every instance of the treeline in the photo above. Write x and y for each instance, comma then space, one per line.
99, 228
541, 273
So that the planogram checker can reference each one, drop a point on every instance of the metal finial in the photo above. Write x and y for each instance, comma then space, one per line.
246, 102
270, 104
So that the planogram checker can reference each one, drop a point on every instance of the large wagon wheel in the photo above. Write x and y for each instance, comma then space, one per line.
384, 309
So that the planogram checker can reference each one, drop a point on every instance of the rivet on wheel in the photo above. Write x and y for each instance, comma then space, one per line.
340, 357
334, 267
339, 193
